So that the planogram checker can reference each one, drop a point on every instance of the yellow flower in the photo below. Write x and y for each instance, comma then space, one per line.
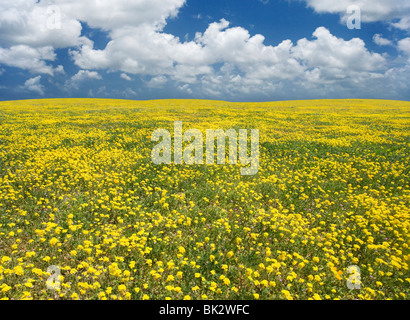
53, 241
18, 270
5, 259
5, 288
126, 273
30, 254
316, 297
287, 294
265, 283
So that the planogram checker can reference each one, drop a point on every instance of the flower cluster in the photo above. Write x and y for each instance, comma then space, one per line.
78, 190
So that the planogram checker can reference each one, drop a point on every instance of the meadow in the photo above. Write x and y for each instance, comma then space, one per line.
79, 191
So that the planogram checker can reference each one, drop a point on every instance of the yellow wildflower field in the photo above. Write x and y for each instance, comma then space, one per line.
85, 214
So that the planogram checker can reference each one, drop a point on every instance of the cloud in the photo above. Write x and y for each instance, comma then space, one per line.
404, 45
139, 50
37, 24
79, 77
48, 25
109, 15
314, 66
380, 41
219, 61
404, 23
85, 74
129, 93
34, 85
125, 76
185, 88
157, 82
229, 57
57, 23
32, 59
330, 52
371, 10
148, 52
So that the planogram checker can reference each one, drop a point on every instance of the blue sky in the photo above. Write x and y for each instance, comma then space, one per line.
236, 50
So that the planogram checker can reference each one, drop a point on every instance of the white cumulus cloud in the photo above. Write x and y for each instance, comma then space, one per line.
37, 24
404, 45
380, 41
81, 76
29, 58
85, 74
125, 77
34, 85
371, 10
